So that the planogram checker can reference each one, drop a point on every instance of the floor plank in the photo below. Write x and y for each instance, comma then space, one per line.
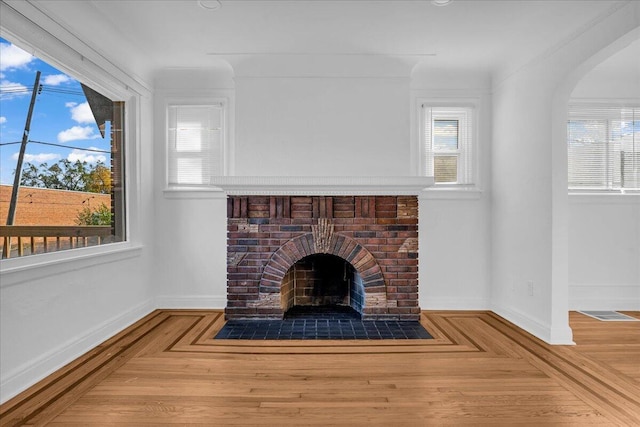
479, 370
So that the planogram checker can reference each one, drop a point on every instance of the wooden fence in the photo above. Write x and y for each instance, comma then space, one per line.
21, 240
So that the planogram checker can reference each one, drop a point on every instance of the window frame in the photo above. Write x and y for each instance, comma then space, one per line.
468, 155
221, 101
101, 75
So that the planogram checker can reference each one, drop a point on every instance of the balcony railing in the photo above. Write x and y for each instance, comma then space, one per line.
21, 240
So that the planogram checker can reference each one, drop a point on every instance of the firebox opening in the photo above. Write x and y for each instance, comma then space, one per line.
323, 281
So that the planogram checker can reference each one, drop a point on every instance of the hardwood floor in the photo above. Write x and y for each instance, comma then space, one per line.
479, 370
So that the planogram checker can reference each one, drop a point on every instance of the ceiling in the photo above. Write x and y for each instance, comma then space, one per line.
482, 35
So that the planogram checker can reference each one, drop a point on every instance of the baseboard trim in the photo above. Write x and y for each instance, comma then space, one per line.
548, 334
29, 373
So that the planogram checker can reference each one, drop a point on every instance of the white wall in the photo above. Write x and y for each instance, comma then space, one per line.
322, 126
49, 317
604, 252
521, 203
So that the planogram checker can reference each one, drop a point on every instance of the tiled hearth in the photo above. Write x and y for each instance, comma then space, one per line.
317, 323
358, 251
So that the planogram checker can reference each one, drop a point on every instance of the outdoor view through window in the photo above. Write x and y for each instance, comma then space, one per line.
61, 159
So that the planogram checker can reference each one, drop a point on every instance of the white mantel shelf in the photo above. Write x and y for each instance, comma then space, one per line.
322, 185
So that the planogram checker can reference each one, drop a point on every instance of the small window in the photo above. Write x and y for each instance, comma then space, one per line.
447, 142
195, 144
603, 148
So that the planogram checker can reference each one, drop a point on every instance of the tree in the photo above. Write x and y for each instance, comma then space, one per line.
68, 175
100, 216
99, 179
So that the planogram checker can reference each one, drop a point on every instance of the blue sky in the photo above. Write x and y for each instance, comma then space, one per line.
61, 115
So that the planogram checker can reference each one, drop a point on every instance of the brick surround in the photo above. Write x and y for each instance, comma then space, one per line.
376, 235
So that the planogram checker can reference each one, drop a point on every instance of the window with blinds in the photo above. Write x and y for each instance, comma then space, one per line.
447, 141
195, 144
603, 147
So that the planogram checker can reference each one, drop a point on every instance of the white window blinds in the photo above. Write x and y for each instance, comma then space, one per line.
447, 139
603, 147
195, 144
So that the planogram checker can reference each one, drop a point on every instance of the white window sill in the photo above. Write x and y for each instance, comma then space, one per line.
31, 267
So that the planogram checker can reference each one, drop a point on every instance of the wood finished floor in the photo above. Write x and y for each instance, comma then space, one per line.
479, 370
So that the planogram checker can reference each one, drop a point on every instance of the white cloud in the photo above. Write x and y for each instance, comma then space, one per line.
12, 57
86, 156
37, 158
77, 133
81, 113
3, 119
56, 79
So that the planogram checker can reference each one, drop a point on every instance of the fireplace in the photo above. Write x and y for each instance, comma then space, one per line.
356, 251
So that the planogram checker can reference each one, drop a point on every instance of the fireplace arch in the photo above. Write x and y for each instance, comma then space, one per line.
308, 244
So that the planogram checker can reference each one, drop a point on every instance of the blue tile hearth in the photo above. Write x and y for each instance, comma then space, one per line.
317, 323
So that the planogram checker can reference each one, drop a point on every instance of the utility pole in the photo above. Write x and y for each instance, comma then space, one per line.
23, 147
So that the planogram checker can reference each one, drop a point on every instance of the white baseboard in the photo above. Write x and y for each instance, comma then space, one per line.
191, 302
551, 335
29, 373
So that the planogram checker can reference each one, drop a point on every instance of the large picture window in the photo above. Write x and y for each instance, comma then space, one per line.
447, 138
62, 159
603, 148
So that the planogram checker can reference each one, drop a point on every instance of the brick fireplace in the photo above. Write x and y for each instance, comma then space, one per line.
285, 251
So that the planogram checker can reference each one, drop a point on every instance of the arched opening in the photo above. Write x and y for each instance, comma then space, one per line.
322, 283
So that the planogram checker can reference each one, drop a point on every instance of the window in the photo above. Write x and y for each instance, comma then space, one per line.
603, 148
447, 141
62, 156
195, 144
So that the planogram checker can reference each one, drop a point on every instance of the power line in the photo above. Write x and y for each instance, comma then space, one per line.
96, 150
26, 89
61, 90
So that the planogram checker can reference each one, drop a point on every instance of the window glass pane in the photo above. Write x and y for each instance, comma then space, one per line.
189, 139
445, 168
190, 171
630, 153
588, 153
445, 134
